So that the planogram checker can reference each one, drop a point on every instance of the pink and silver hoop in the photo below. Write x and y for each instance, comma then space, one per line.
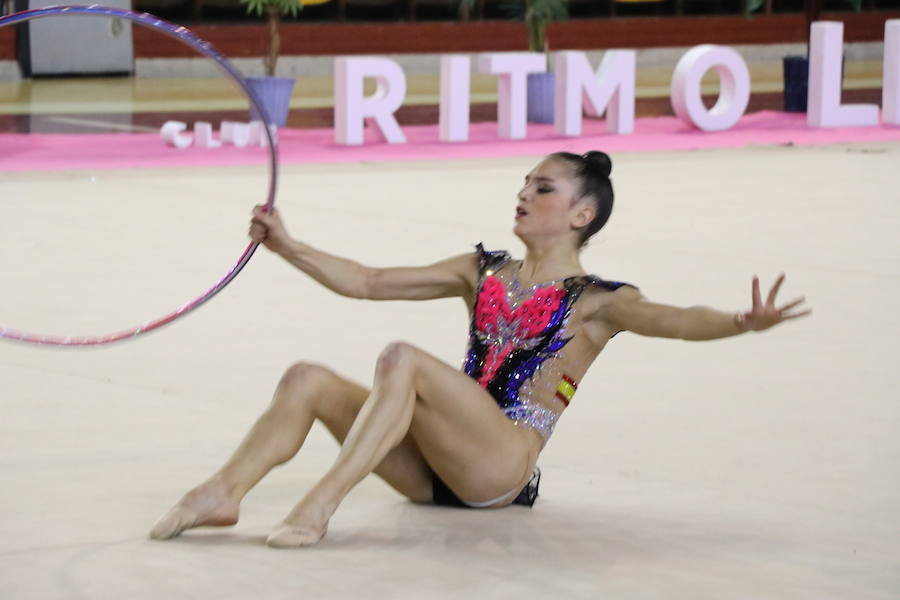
206, 49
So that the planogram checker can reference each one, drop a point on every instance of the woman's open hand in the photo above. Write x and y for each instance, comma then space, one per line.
763, 316
267, 229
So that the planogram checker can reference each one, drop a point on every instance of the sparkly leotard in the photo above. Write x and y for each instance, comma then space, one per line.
528, 350
524, 344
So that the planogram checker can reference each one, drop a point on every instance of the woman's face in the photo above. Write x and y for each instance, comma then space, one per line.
548, 202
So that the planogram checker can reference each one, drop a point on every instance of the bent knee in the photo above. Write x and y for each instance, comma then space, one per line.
395, 355
303, 380
308, 373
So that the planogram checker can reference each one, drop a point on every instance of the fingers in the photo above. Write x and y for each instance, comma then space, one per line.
757, 298
774, 291
792, 304
258, 228
265, 227
258, 233
786, 315
797, 315
260, 215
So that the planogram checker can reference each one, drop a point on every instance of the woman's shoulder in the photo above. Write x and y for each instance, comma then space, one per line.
491, 259
605, 284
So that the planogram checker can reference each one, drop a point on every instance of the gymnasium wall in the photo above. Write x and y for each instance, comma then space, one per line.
441, 37
7, 43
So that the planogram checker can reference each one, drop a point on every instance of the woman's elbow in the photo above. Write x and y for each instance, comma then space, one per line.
367, 285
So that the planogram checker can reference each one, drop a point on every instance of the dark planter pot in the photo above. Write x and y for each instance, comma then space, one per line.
796, 80
540, 97
275, 95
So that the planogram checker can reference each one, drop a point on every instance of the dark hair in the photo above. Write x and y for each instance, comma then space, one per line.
593, 169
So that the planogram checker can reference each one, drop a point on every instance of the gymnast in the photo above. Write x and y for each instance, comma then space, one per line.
436, 434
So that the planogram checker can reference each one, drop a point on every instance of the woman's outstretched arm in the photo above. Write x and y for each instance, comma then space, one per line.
444, 279
629, 311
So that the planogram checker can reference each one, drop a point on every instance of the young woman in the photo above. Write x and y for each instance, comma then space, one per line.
435, 433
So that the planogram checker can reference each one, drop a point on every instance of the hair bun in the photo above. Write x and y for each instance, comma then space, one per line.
599, 162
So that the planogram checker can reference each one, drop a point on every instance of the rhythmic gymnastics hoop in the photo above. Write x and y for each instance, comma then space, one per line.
205, 48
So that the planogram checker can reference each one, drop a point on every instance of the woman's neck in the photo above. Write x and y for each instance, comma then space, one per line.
546, 264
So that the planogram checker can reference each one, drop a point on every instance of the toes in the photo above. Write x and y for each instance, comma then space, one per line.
171, 524
288, 536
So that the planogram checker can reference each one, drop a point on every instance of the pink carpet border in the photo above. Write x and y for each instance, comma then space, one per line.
63, 152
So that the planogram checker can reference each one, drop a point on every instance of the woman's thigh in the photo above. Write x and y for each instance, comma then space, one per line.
478, 451
404, 468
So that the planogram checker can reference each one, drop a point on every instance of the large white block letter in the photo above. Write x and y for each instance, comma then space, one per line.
890, 91
352, 110
512, 69
203, 135
454, 109
734, 87
824, 108
610, 89
235, 133
257, 134
171, 134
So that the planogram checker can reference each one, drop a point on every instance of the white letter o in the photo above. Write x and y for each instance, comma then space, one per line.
734, 93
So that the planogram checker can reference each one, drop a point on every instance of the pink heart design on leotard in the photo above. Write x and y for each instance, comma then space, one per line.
506, 327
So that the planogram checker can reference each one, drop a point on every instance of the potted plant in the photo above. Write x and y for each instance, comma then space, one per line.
273, 92
538, 14
796, 67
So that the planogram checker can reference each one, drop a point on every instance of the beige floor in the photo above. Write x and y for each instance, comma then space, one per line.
759, 467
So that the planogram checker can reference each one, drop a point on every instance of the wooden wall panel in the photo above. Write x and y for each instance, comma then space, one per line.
333, 38
687, 31
478, 36
865, 27
7, 43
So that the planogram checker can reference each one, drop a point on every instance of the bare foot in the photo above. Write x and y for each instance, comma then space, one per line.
305, 526
292, 536
209, 504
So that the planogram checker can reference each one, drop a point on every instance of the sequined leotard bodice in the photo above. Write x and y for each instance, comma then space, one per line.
524, 346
